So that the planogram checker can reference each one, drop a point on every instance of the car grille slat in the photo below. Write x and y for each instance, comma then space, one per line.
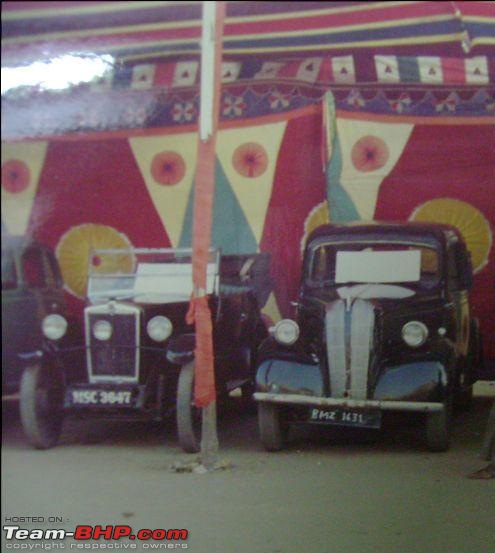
362, 325
336, 348
115, 358
349, 337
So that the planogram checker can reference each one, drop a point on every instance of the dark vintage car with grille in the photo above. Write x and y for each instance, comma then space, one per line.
32, 301
136, 359
383, 323
34, 326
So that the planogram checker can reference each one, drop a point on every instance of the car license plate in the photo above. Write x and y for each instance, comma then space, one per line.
90, 397
363, 418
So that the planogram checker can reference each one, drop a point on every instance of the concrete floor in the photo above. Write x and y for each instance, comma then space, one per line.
329, 492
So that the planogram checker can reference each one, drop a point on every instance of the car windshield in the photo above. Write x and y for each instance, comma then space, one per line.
417, 265
146, 275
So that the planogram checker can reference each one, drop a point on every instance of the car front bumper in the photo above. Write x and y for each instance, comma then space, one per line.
312, 401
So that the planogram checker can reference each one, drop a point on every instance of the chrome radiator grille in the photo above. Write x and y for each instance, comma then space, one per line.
349, 337
118, 357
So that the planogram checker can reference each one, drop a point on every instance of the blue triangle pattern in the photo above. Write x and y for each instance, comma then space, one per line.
231, 231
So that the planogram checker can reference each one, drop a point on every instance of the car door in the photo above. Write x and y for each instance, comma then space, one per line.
22, 311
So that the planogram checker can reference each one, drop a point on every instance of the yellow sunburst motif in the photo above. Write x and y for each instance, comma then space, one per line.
73, 251
319, 215
469, 221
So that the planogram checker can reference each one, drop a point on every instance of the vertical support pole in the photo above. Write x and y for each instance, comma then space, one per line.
211, 58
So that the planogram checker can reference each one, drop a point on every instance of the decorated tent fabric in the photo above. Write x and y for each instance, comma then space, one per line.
139, 190
49, 115
143, 30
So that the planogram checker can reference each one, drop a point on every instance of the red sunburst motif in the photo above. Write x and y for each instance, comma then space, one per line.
369, 154
168, 168
250, 160
96, 260
15, 176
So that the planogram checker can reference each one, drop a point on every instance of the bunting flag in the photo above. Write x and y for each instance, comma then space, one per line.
476, 70
167, 165
365, 154
143, 76
230, 71
21, 169
186, 73
248, 157
432, 70
343, 70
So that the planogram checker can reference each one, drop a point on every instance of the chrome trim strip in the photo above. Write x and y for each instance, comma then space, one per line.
336, 347
362, 324
351, 403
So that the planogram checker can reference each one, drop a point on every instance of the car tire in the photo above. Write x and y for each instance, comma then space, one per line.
272, 427
438, 428
41, 405
248, 388
187, 415
464, 395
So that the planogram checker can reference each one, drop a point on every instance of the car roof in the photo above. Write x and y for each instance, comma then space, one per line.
386, 228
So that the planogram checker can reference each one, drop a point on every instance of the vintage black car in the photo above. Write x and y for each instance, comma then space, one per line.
383, 323
33, 307
137, 357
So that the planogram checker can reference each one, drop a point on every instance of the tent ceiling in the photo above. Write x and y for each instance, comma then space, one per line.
137, 31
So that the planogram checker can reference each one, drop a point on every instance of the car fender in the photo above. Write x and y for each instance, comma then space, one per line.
420, 380
180, 348
290, 376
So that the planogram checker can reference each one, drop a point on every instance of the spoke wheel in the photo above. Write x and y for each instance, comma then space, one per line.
188, 415
41, 405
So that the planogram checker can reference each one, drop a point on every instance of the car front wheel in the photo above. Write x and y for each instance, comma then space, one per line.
41, 405
438, 428
272, 427
188, 415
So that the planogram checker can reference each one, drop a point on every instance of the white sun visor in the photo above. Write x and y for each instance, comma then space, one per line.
378, 266
169, 282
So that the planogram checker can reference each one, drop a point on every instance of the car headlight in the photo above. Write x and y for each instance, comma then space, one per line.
159, 328
286, 332
414, 333
54, 326
102, 330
